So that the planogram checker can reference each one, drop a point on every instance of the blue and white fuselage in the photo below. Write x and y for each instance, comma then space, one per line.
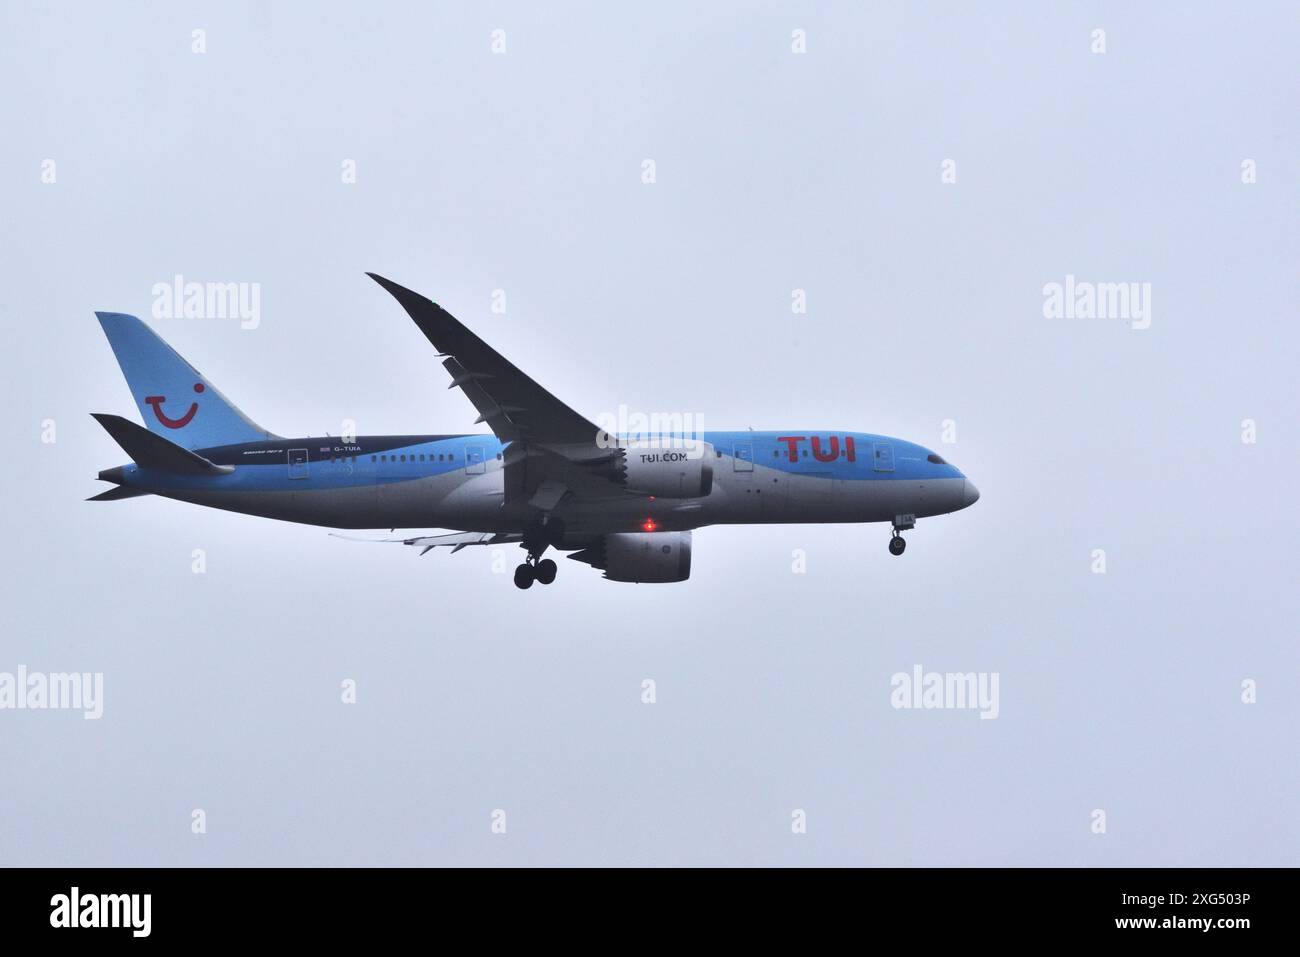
458, 482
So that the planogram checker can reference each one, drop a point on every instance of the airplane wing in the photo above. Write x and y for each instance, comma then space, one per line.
513, 405
553, 451
456, 540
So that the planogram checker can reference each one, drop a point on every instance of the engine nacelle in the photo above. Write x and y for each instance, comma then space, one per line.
647, 556
669, 472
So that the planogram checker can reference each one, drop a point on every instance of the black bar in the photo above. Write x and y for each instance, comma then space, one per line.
208, 906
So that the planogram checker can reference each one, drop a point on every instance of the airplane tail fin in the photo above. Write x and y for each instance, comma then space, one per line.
153, 451
174, 399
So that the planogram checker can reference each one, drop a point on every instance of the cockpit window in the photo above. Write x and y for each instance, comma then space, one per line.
937, 460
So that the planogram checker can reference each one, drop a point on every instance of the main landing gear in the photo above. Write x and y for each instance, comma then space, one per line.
547, 531
540, 536
533, 570
901, 524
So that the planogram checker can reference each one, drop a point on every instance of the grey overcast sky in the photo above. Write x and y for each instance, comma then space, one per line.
775, 171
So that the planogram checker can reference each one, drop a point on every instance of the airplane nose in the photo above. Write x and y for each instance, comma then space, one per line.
970, 494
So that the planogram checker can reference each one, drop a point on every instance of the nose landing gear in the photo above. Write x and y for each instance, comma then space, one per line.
901, 524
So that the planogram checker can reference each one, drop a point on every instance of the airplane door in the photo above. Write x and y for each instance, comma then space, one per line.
884, 458
298, 464
474, 460
744, 457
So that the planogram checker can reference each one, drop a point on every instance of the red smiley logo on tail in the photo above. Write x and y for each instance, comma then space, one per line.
157, 400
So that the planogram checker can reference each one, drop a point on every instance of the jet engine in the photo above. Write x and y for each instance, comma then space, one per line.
669, 472
641, 556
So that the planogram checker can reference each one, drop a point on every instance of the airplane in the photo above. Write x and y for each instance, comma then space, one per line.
546, 477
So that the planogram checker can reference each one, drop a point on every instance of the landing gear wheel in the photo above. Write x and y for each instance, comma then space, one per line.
544, 571
524, 576
896, 545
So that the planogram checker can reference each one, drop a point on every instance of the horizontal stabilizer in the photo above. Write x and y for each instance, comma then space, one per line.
119, 492
155, 452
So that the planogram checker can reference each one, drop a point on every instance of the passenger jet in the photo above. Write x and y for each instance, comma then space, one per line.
545, 478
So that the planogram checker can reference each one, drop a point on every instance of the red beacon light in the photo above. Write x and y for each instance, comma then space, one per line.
649, 525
